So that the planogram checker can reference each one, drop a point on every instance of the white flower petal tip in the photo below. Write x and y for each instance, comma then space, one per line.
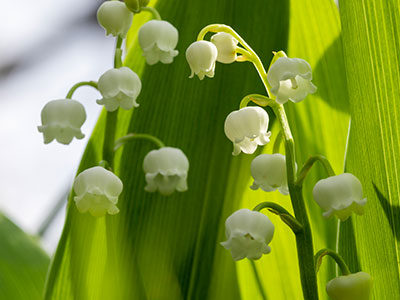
158, 40
247, 128
355, 286
226, 45
119, 88
201, 56
166, 170
290, 79
97, 191
269, 173
340, 196
115, 18
62, 120
248, 234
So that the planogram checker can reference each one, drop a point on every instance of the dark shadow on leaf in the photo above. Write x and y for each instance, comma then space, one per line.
390, 211
331, 67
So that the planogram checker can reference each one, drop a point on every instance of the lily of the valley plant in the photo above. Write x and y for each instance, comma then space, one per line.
248, 232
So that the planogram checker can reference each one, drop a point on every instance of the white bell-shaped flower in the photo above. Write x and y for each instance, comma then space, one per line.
201, 56
248, 234
115, 18
97, 191
269, 173
247, 128
158, 40
340, 195
355, 286
62, 120
119, 88
166, 170
290, 79
226, 45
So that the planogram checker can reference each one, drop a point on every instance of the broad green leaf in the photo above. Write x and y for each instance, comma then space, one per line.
168, 247
371, 52
23, 264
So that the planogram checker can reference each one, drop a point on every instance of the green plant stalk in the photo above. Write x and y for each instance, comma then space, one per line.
112, 117
338, 259
78, 85
308, 165
137, 136
305, 249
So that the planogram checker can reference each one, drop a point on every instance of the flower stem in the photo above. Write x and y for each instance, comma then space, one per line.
305, 250
338, 259
308, 165
79, 84
135, 136
112, 117
153, 11
277, 143
285, 216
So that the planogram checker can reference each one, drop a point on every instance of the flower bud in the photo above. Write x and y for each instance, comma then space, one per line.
340, 195
355, 286
119, 88
115, 18
290, 79
136, 5
269, 173
97, 191
247, 128
62, 120
201, 56
226, 45
248, 234
158, 40
166, 170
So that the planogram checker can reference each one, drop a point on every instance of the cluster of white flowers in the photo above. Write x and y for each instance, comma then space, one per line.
247, 128
97, 189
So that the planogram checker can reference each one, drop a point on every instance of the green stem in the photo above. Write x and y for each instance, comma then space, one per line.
258, 280
79, 84
338, 259
308, 165
305, 250
257, 99
135, 136
153, 11
112, 117
285, 216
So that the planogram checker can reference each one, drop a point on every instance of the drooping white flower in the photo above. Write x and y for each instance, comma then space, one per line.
201, 56
226, 45
247, 128
115, 18
119, 88
62, 120
340, 195
248, 234
355, 286
166, 170
97, 191
136, 5
269, 173
158, 40
290, 79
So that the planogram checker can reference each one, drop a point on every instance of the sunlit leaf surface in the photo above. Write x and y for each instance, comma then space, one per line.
23, 265
371, 52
